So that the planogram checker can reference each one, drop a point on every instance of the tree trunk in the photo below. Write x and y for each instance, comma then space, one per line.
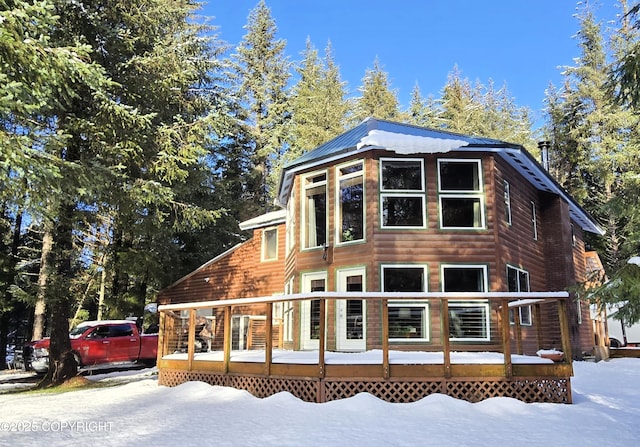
39, 313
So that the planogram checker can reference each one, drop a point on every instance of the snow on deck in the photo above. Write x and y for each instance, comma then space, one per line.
362, 358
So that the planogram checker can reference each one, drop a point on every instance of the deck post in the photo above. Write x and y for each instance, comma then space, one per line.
506, 339
268, 347
191, 343
321, 342
227, 338
564, 329
162, 339
385, 339
444, 334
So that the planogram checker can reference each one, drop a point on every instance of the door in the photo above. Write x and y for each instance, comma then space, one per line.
310, 310
351, 314
124, 345
95, 346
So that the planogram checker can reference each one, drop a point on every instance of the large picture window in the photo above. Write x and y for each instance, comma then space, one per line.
350, 206
402, 193
518, 281
461, 194
468, 320
314, 213
408, 319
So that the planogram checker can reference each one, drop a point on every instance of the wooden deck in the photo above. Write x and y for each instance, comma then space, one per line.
503, 365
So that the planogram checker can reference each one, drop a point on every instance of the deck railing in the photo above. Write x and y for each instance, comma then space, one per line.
233, 335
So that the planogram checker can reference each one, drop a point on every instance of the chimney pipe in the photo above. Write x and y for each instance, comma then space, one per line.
544, 153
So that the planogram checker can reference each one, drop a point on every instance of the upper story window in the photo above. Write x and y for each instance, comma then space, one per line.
461, 194
314, 210
350, 202
402, 193
270, 244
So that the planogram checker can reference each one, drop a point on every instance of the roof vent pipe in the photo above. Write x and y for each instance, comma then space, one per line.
544, 153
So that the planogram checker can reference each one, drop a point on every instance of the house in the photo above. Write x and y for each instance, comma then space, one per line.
393, 240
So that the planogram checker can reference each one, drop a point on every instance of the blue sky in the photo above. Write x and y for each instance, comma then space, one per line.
521, 43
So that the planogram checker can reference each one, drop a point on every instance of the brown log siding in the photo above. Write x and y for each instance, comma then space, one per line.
551, 260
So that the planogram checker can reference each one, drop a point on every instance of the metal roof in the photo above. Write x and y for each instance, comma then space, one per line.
356, 141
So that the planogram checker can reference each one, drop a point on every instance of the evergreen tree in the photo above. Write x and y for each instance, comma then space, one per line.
132, 152
484, 111
596, 140
264, 74
460, 104
423, 112
317, 103
377, 100
626, 68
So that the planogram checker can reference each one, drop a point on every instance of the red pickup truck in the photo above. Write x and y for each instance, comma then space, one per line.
106, 342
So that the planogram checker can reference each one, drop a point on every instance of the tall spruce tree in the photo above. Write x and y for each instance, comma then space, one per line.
597, 139
124, 149
318, 106
423, 112
263, 75
626, 67
377, 98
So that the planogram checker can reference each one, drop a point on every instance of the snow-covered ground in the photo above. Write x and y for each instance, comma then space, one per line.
136, 411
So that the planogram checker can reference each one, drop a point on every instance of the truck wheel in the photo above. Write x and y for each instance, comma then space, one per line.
614, 343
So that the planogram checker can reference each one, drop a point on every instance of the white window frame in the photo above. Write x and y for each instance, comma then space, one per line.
524, 312
534, 221
338, 206
408, 193
304, 208
288, 313
290, 224
305, 308
422, 304
507, 202
481, 304
264, 250
462, 194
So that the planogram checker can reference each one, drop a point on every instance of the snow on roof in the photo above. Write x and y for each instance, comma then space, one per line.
264, 220
409, 144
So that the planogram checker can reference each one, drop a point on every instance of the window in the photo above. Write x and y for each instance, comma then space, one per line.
314, 213
507, 202
534, 221
287, 313
518, 281
460, 194
270, 244
239, 331
310, 309
350, 206
468, 320
402, 198
408, 319
120, 330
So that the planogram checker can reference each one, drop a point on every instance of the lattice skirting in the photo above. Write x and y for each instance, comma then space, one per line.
313, 389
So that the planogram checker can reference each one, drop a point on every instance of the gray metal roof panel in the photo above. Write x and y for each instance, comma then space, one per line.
348, 141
